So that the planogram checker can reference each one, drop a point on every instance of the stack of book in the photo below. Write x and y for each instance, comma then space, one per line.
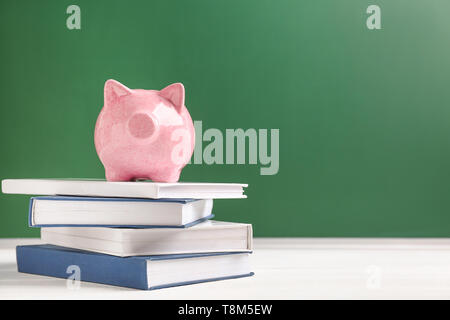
142, 235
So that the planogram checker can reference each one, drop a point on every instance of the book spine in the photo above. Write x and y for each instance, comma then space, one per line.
124, 272
30, 212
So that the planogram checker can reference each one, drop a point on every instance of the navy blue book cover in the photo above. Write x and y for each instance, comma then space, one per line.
70, 198
131, 272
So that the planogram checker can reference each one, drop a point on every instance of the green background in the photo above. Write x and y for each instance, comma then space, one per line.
364, 115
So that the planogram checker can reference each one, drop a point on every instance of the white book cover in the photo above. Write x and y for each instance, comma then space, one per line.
208, 236
129, 189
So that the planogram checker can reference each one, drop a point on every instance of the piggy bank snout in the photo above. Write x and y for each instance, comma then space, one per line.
142, 126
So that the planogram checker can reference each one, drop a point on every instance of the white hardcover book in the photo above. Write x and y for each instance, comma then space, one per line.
208, 236
129, 189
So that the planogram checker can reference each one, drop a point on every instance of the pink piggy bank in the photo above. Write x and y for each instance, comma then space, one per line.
144, 134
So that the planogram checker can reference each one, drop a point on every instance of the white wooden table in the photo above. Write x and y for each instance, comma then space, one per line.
287, 268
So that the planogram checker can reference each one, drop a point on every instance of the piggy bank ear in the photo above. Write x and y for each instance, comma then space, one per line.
114, 90
175, 94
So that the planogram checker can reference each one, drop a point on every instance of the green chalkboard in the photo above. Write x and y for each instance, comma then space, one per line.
363, 114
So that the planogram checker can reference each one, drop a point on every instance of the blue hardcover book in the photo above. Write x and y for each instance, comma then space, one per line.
60, 211
140, 272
